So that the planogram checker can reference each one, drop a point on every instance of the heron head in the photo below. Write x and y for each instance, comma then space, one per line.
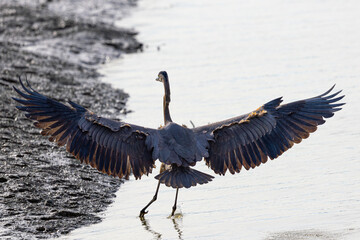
162, 77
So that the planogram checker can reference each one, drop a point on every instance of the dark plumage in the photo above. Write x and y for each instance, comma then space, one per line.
119, 148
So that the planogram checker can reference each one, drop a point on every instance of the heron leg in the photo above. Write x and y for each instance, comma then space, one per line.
174, 207
143, 211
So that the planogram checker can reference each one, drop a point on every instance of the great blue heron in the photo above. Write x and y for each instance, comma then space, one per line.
119, 148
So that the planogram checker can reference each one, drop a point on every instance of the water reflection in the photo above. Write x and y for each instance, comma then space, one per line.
177, 224
148, 228
176, 219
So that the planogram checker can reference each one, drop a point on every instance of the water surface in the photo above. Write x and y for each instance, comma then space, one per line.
225, 58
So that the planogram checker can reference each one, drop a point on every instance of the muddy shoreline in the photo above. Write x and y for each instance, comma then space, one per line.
45, 192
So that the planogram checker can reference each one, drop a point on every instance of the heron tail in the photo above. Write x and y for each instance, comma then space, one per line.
178, 177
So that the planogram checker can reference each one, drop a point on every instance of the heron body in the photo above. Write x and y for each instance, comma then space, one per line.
180, 148
120, 149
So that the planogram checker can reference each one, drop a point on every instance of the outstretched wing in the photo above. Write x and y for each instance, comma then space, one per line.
115, 148
249, 140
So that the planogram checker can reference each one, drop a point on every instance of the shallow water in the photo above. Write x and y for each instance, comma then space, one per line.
224, 59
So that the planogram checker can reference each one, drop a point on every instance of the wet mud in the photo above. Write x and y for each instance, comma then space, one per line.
44, 191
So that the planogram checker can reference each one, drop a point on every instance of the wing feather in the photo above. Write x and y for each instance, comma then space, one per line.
115, 148
267, 132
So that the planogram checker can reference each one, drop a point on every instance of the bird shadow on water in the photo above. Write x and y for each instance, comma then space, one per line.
175, 221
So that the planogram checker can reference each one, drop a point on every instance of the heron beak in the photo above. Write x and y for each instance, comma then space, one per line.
157, 79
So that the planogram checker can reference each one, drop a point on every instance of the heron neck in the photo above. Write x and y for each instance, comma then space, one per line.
166, 103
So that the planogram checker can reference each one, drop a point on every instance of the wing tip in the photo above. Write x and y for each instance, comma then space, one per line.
326, 94
328, 91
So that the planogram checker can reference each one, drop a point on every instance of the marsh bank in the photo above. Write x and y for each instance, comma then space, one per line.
45, 192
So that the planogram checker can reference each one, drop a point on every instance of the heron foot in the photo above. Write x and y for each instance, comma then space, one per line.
142, 213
